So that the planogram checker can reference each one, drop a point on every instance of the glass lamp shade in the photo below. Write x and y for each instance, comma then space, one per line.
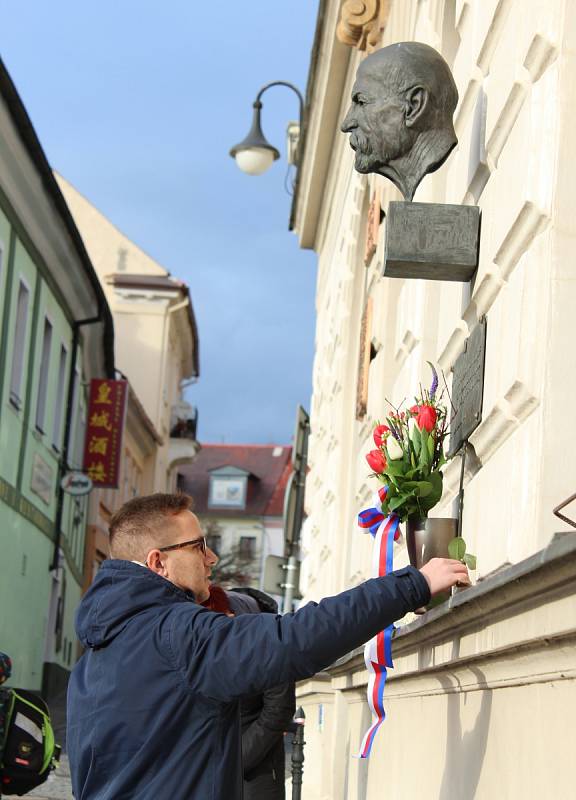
254, 154
255, 160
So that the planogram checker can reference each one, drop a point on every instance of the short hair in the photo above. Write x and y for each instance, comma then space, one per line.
138, 526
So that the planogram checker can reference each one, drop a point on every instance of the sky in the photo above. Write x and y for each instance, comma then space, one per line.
137, 104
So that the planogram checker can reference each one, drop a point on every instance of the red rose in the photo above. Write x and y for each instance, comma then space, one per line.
426, 418
380, 433
376, 461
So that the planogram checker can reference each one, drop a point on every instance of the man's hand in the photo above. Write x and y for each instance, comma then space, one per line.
443, 573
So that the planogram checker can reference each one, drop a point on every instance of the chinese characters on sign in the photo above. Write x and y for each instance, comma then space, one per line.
103, 445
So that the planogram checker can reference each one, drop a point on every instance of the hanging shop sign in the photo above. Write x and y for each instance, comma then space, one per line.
103, 444
76, 483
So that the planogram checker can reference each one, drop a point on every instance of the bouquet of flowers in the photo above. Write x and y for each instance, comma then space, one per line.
409, 457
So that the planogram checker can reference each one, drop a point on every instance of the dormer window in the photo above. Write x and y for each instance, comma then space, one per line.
228, 488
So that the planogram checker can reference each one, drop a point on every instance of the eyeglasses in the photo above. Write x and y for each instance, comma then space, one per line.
201, 543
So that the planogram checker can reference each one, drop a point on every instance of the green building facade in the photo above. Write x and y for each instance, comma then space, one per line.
55, 335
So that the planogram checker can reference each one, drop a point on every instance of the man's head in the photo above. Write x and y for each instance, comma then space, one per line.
400, 119
146, 529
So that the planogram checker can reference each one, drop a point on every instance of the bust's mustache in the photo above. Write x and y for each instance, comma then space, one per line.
360, 143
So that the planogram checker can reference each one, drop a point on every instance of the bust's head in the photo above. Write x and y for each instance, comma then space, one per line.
400, 119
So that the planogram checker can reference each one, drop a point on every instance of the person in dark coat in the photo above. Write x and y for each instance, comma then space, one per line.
5, 672
153, 703
265, 717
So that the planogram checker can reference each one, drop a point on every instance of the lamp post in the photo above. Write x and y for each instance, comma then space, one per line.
298, 754
254, 154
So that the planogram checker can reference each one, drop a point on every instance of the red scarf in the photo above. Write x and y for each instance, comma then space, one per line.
218, 600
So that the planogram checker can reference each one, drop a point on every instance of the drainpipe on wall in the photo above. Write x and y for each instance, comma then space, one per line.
63, 465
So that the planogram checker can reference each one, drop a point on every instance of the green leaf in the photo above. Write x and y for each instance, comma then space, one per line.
390, 480
420, 488
431, 447
416, 440
396, 502
435, 478
425, 459
470, 561
424, 488
395, 468
457, 548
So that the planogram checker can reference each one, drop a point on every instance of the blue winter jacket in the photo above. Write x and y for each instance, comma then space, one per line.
153, 711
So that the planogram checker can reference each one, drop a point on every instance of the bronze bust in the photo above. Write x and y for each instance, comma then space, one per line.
400, 120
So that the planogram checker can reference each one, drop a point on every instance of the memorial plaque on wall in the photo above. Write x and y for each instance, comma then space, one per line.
468, 388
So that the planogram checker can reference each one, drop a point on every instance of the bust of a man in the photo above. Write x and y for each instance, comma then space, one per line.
400, 120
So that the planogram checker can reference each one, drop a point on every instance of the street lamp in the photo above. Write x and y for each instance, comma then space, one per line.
254, 154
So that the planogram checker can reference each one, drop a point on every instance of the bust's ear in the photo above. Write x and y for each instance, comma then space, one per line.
416, 103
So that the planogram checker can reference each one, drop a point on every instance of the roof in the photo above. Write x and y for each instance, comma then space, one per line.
38, 158
269, 467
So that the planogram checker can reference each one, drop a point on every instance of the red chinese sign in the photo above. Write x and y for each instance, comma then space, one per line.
103, 446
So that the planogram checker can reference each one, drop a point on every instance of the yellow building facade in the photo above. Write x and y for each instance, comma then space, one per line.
156, 350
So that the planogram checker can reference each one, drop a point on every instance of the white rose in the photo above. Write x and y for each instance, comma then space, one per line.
394, 450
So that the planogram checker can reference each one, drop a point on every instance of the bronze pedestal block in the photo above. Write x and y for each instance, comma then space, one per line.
434, 241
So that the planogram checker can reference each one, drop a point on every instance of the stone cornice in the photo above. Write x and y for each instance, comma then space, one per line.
533, 582
362, 22
326, 79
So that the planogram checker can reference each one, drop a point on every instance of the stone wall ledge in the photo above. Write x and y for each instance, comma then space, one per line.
548, 574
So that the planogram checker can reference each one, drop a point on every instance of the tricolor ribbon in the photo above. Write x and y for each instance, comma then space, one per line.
378, 651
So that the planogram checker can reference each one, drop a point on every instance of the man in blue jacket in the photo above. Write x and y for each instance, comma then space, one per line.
153, 704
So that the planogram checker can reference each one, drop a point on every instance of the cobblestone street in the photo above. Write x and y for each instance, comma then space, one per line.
58, 786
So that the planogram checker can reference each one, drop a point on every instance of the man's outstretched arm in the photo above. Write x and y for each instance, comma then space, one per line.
225, 658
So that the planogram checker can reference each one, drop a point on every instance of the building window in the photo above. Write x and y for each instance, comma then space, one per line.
247, 547
44, 372
228, 490
214, 542
19, 345
59, 408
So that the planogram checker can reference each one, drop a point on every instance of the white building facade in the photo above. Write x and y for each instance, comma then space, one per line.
478, 680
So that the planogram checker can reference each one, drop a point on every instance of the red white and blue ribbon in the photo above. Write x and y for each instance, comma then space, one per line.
378, 651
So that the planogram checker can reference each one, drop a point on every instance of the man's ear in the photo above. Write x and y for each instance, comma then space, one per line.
416, 104
155, 563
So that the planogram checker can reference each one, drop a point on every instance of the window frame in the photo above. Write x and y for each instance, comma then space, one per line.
227, 474
43, 376
253, 547
19, 345
60, 402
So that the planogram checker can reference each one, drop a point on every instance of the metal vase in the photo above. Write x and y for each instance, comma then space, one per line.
429, 538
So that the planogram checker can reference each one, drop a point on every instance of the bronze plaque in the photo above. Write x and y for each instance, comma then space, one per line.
468, 388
